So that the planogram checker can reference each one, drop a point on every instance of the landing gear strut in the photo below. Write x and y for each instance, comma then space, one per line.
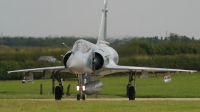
59, 89
81, 87
131, 90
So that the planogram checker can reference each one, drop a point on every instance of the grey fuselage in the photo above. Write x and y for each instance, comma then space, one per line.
88, 58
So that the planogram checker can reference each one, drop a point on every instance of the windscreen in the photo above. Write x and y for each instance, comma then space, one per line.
80, 46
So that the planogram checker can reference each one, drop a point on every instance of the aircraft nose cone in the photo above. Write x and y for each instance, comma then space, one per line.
75, 64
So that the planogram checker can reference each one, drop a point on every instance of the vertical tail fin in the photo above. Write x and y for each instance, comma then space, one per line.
103, 25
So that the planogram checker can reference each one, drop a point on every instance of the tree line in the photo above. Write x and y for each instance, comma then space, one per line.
69, 40
170, 52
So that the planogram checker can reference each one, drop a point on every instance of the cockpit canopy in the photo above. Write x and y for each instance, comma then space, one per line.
82, 46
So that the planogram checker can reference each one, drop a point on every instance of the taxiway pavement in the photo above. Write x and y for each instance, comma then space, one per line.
121, 99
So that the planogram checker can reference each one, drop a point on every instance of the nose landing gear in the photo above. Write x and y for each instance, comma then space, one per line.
81, 87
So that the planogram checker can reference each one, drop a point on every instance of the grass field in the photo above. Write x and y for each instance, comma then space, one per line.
98, 106
183, 85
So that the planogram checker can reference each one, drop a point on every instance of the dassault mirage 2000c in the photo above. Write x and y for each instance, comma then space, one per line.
90, 62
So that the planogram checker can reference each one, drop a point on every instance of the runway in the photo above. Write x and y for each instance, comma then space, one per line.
119, 99
138, 99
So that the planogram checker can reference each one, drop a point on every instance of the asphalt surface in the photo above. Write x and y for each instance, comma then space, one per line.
137, 99
122, 99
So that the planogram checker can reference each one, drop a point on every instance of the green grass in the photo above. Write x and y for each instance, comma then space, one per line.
14, 93
183, 85
98, 106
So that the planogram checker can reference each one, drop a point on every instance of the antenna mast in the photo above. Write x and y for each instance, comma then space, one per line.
2, 38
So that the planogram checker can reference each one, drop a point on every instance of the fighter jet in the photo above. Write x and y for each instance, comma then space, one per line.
90, 62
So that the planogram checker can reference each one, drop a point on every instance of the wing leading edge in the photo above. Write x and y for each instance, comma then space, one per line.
58, 68
113, 68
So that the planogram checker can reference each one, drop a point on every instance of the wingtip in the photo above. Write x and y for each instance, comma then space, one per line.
193, 71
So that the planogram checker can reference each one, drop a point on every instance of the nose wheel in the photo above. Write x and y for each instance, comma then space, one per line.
79, 97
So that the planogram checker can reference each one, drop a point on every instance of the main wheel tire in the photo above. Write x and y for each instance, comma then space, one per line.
127, 91
131, 93
78, 97
58, 93
83, 97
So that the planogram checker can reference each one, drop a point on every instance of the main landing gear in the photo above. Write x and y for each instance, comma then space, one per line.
131, 90
58, 90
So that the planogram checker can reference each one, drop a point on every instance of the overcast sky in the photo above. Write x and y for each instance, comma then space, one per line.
82, 17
